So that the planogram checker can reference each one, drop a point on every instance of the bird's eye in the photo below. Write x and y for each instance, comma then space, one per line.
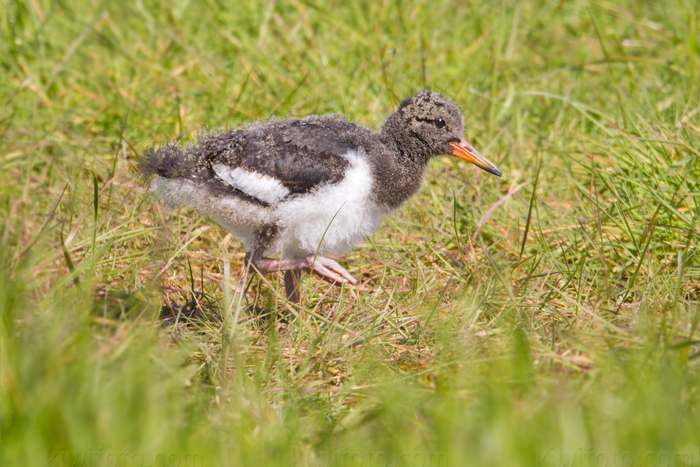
439, 123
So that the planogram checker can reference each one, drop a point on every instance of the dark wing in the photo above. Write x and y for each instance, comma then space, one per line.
300, 155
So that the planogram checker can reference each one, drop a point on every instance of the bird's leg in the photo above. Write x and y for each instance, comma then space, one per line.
326, 268
292, 283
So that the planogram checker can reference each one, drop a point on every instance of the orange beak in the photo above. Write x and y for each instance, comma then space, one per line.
464, 150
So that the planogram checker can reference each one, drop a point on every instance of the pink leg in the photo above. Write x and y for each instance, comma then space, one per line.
326, 268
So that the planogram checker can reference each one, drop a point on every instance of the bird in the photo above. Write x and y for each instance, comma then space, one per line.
300, 191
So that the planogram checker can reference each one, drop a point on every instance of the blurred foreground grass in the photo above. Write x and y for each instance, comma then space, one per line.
546, 318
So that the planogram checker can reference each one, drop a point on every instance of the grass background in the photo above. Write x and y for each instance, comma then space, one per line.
546, 318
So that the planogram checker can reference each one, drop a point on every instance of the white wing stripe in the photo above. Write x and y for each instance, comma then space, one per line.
257, 185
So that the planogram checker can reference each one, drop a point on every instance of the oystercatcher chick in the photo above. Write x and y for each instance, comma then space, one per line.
305, 189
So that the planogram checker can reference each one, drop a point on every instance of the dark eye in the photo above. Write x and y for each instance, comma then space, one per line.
439, 123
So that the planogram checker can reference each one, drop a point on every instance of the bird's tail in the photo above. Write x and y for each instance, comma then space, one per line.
169, 161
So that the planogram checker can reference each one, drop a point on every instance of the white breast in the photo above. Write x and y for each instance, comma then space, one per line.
335, 217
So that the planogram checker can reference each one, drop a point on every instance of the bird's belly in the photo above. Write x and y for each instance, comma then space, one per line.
331, 220
240, 217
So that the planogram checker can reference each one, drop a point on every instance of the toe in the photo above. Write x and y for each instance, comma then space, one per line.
329, 274
339, 270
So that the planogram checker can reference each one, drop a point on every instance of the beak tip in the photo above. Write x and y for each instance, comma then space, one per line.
464, 150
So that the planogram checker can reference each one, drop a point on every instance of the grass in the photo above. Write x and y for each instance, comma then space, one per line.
546, 318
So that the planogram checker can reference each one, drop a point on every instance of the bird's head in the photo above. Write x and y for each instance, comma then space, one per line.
429, 125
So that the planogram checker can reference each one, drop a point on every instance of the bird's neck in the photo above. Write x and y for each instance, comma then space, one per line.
399, 172
403, 153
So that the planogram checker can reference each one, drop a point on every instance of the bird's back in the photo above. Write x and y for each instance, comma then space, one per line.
292, 174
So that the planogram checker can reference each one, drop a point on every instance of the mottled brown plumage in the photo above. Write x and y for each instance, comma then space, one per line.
305, 188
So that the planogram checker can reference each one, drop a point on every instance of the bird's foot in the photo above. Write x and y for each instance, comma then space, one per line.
328, 269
